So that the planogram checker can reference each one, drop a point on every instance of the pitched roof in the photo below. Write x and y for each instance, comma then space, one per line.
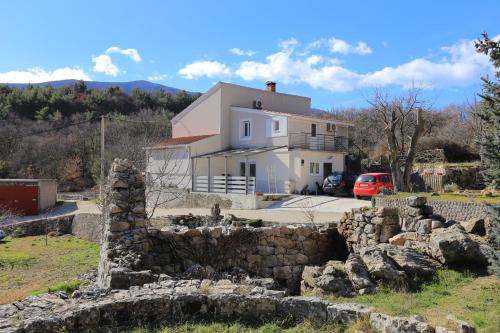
183, 140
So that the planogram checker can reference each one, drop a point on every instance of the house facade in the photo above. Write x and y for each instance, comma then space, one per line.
236, 139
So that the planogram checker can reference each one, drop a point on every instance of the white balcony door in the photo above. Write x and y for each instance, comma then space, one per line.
313, 138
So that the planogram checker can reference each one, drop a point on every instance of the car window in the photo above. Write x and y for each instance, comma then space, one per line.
335, 178
385, 178
366, 178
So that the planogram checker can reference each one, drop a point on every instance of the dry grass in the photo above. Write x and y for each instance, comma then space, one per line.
466, 197
28, 267
470, 298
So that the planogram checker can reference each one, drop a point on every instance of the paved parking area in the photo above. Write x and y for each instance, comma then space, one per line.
297, 209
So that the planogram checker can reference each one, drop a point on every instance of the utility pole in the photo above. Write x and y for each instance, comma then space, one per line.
101, 185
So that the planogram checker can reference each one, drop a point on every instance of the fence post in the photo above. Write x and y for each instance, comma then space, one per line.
225, 173
208, 183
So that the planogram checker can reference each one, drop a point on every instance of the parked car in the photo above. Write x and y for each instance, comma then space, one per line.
370, 184
339, 184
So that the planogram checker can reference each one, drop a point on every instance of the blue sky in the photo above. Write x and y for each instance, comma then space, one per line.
333, 51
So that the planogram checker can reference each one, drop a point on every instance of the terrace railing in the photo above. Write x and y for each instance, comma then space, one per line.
318, 142
224, 184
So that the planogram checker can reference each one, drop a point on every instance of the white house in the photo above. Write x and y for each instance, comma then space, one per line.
235, 139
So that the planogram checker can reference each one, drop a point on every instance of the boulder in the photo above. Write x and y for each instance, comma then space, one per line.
357, 273
454, 246
436, 224
416, 201
328, 279
383, 268
424, 226
417, 266
475, 226
460, 325
390, 324
345, 313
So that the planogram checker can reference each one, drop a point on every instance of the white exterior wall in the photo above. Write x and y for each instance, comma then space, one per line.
262, 134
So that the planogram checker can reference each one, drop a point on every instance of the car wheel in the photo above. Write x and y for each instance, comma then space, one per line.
357, 197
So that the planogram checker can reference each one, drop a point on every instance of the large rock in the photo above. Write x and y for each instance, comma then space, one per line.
344, 313
383, 268
417, 266
329, 279
475, 226
358, 274
390, 324
454, 246
460, 325
416, 201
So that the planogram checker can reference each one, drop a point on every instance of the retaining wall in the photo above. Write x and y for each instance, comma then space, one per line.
450, 210
178, 198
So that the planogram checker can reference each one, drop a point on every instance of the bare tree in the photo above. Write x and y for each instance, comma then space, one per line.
167, 177
403, 121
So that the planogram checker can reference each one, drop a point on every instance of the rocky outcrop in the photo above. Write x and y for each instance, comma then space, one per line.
452, 246
383, 269
330, 278
390, 324
358, 274
94, 310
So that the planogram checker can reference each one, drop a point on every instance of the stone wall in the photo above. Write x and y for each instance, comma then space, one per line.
177, 198
450, 210
131, 255
62, 225
277, 252
366, 227
88, 226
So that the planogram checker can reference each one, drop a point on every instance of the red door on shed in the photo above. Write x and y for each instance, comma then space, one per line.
19, 199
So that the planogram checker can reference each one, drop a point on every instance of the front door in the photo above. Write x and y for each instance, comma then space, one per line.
327, 169
252, 169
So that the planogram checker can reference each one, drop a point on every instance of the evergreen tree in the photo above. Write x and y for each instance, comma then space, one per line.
489, 114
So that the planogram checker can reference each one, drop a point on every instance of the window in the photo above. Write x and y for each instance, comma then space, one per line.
366, 178
314, 168
385, 178
253, 170
313, 130
276, 126
246, 130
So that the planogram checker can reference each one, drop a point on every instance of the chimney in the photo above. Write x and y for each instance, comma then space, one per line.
271, 86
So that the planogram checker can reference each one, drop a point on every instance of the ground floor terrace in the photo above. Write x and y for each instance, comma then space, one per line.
266, 170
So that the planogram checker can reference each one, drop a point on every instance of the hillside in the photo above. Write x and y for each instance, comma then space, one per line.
126, 87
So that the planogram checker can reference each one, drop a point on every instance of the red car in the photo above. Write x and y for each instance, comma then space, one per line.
370, 184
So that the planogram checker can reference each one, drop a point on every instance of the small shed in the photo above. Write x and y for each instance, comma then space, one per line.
27, 196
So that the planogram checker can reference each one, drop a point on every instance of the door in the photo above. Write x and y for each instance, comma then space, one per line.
327, 169
20, 199
313, 140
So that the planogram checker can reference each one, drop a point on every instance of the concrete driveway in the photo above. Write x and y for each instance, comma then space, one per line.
296, 209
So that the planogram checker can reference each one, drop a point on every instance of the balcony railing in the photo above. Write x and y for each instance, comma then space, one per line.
318, 142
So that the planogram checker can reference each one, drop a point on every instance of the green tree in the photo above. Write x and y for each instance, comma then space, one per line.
489, 114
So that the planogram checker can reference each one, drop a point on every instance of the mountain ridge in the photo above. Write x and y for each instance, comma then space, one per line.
126, 86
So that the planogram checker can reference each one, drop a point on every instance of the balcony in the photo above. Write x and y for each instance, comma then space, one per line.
318, 142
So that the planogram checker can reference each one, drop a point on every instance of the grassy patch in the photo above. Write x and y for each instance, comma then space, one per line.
474, 299
28, 266
472, 197
306, 327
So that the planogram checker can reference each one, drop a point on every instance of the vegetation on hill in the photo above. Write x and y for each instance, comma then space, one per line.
55, 132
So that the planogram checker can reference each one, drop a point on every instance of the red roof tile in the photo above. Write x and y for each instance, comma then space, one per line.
183, 140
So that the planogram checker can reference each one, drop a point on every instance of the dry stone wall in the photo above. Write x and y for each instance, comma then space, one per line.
366, 227
132, 255
450, 210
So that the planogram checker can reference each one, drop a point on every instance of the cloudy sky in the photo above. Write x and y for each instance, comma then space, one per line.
335, 52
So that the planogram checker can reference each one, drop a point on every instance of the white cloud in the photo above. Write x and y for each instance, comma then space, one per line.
240, 52
340, 46
459, 65
158, 77
131, 53
36, 75
204, 68
103, 64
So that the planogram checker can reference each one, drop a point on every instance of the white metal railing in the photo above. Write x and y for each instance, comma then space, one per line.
224, 184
